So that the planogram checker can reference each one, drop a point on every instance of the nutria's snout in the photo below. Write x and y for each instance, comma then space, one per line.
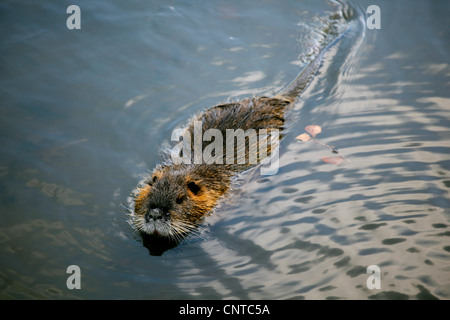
158, 210
154, 214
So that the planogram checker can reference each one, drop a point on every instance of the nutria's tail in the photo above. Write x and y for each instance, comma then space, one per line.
335, 26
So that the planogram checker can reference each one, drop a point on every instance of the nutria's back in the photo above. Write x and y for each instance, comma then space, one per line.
252, 120
172, 201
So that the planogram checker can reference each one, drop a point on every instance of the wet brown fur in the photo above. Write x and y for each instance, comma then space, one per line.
202, 185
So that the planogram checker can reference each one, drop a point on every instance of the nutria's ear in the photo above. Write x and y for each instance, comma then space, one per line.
151, 180
194, 187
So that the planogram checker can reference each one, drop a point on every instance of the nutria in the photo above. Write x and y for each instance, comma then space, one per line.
171, 202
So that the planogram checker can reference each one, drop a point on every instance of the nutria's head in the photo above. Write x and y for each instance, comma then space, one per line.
173, 200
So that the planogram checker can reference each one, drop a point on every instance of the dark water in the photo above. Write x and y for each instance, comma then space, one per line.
83, 114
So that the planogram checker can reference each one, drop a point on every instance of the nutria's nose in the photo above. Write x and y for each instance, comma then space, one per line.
155, 214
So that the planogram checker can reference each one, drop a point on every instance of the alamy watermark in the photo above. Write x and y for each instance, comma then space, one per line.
373, 17
373, 20
374, 280
74, 280
74, 20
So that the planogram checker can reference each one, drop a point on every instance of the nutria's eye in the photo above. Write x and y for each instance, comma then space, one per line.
195, 188
180, 199
155, 178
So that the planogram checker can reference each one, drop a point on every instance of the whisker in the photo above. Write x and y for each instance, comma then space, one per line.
183, 228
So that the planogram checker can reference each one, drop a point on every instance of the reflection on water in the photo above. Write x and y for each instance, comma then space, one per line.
84, 113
